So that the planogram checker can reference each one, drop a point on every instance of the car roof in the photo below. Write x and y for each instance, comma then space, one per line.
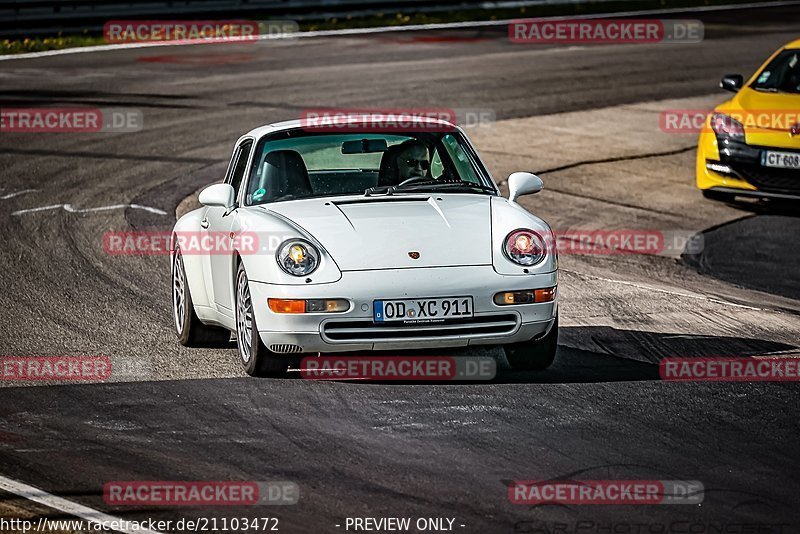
793, 45
366, 120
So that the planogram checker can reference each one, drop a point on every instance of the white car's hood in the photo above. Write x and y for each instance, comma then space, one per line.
381, 232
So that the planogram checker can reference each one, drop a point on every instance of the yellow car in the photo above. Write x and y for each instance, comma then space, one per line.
750, 145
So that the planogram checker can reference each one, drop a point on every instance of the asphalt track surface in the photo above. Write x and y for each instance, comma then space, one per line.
395, 450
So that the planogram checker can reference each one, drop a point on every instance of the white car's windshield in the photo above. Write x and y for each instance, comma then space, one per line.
298, 165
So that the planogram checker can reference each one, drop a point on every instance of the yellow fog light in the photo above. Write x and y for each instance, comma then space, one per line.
327, 306
336, 305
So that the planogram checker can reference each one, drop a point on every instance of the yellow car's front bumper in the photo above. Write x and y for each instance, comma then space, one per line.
734, 167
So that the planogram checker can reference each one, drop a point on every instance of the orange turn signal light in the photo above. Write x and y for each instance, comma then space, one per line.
547, 294
308, 306
527, 296
287, 305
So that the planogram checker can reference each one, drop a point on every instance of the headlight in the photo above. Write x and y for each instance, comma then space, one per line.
298, 257
524, 247
728, 126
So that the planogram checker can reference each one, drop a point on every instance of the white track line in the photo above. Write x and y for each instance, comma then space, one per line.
17, 193
666, 291
70, 209
413, 27
68, 507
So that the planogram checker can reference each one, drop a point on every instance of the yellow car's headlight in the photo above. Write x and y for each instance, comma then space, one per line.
727, 126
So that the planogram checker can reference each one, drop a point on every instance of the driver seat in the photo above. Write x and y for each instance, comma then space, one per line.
284, 173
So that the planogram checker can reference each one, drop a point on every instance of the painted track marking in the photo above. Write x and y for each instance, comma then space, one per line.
68, 507
71, 209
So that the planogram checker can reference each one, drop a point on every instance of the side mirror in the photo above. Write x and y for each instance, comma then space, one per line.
732, 82
523, 183
218, 195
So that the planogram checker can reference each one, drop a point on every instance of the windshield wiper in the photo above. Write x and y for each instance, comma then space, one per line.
389, 190
445, 184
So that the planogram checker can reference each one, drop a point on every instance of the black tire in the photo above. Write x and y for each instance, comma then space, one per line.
534, 355
256, 359
190, 331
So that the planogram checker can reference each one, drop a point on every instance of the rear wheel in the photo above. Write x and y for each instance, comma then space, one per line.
256, 359
534, 355
191, 332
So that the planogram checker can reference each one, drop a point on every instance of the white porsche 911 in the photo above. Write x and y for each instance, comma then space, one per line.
367, 240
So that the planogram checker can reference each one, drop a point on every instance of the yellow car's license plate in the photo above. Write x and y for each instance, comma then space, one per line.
782, 160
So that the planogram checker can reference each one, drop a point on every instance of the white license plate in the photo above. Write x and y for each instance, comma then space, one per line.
421, 310
783, 160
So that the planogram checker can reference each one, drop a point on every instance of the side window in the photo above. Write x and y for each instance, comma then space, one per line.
240, 162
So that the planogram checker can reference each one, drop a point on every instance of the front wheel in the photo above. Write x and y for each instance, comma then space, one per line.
256, 359
534, 355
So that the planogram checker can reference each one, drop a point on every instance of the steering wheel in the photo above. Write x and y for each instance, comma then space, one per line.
412, 180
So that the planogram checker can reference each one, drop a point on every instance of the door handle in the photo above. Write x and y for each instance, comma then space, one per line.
204, 223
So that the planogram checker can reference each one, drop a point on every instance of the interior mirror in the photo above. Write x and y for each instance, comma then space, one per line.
218, 195
523, 183
364, 146
732, 82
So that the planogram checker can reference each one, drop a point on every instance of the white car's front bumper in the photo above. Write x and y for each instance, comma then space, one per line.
354, 330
